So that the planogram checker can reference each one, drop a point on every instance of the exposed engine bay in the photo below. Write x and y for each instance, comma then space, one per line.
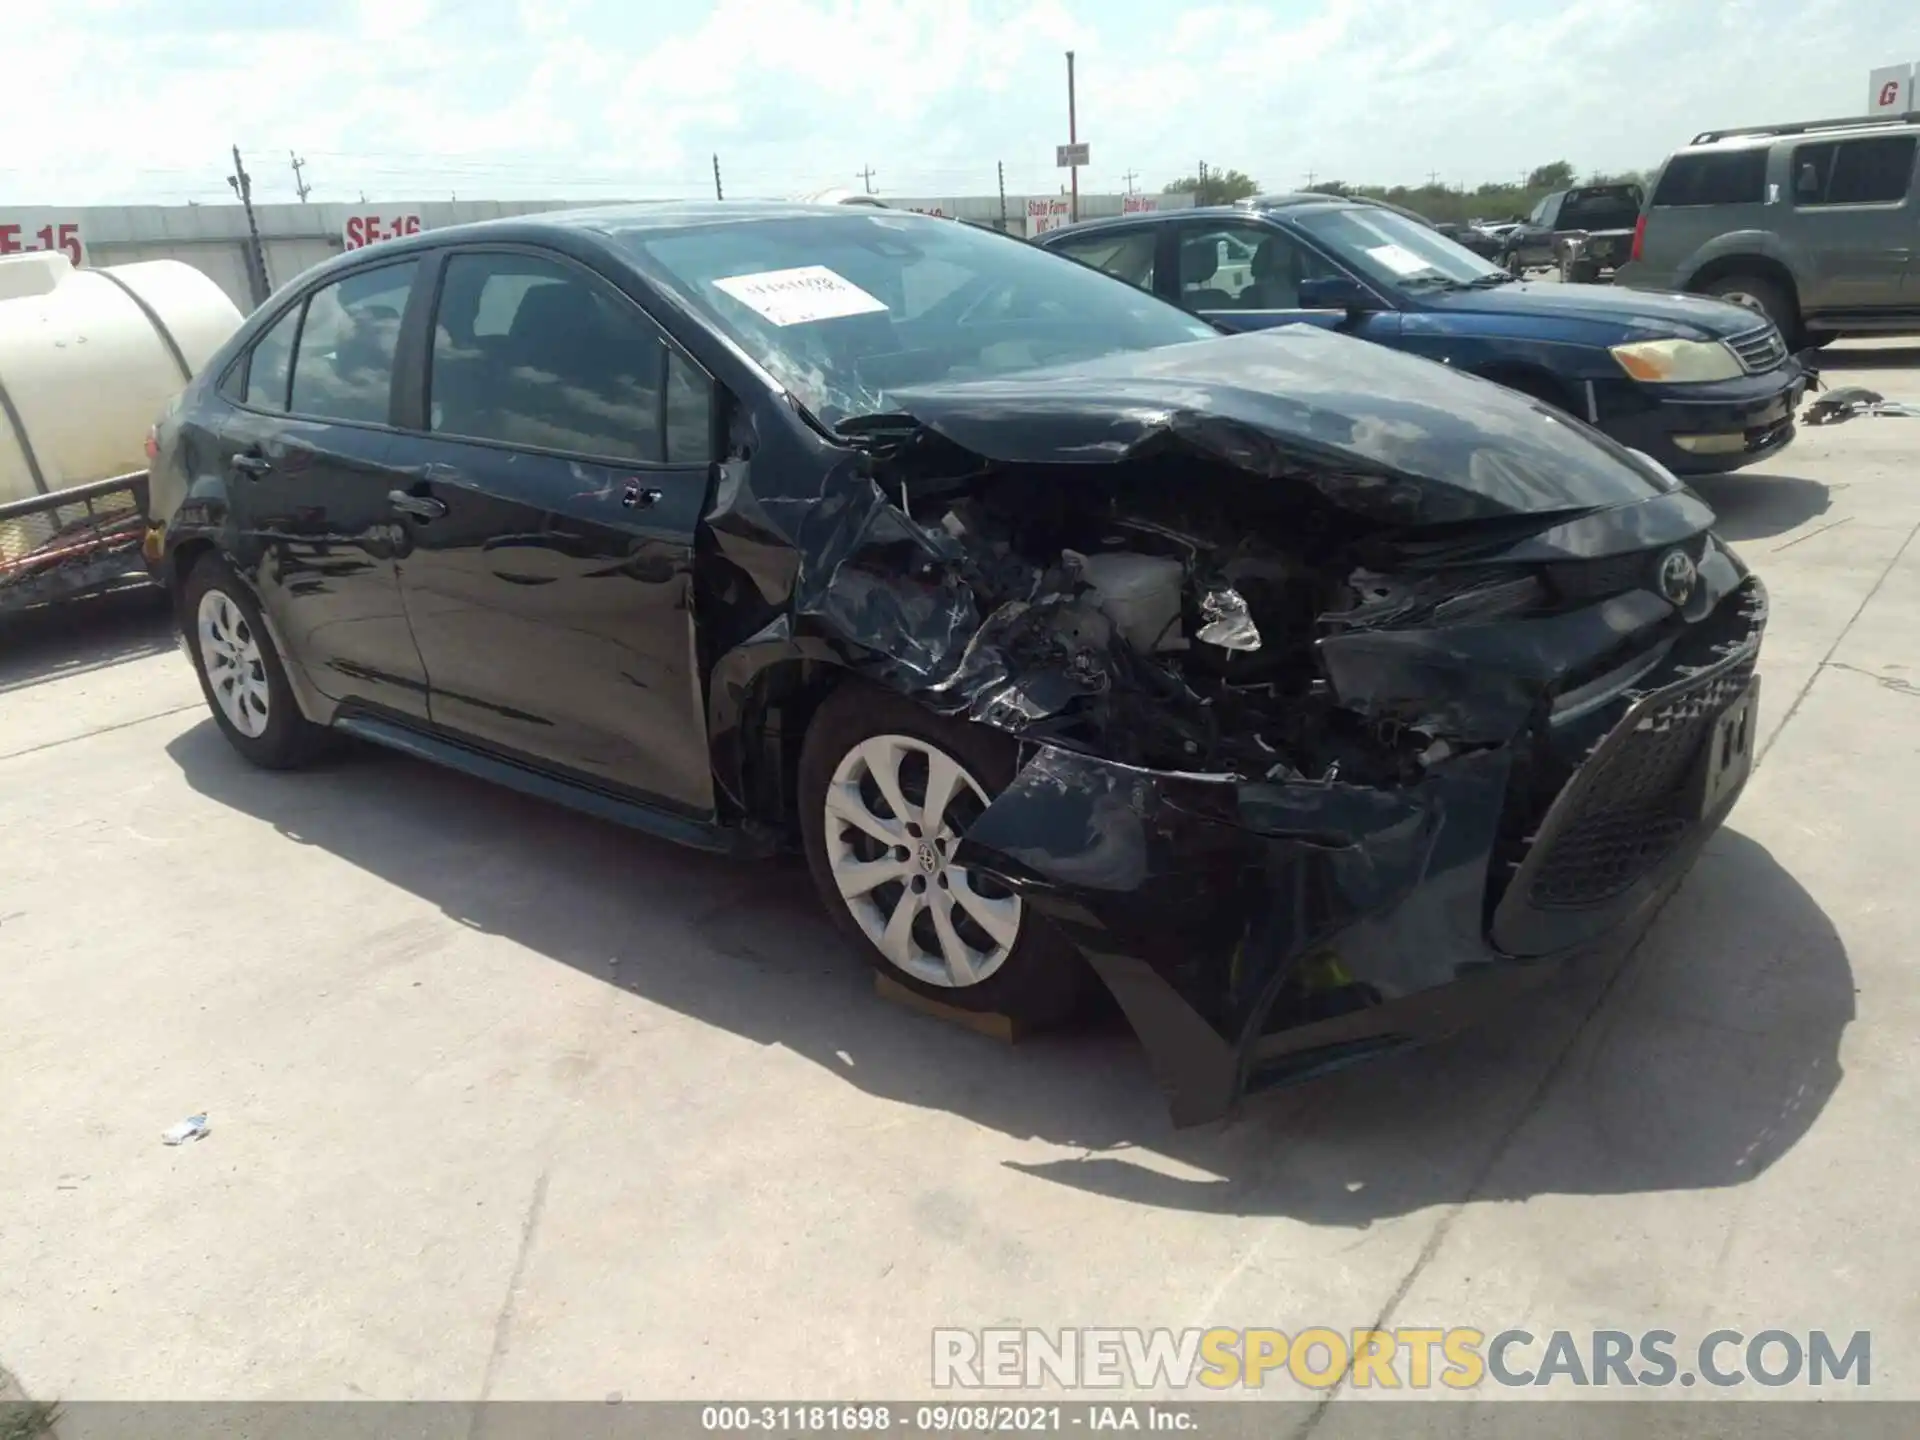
1166, 615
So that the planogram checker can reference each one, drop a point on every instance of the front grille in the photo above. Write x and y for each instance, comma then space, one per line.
1636, 806
1759, 349
1578, 581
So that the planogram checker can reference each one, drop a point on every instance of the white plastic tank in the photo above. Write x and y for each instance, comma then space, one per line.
89, 357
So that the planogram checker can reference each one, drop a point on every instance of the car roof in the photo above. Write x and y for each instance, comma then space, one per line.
1257, 204
597, 223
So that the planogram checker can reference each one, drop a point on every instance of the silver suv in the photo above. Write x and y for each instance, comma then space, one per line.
1817, 225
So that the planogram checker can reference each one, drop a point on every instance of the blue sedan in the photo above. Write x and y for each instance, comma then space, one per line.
1702, 386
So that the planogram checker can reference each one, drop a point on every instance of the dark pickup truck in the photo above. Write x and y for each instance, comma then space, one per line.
1585, 232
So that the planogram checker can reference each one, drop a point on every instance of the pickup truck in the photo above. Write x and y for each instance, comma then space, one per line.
1584, 232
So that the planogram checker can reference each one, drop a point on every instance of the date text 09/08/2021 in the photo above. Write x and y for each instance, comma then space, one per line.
944, 1419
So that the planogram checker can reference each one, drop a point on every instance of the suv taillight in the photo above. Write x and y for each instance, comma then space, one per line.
1639, 235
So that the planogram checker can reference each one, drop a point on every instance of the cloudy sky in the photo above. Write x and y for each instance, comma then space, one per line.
123, 101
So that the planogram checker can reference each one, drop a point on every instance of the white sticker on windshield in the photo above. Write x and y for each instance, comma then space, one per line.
1398, 259
793, 297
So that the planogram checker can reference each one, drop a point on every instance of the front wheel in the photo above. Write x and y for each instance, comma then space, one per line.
240, 672
1763, 297
887, 790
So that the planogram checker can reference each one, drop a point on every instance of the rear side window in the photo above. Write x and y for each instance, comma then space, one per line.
1737, 177
528, 351
1599, 210
1853, 172
343, 369
1127, 257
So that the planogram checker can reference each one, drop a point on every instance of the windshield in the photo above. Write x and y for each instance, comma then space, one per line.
845, 309
1394, 251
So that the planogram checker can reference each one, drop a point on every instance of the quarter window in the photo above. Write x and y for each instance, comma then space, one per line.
343, 369
1873, 171
528, 351
271, 363
1127, 256
1734, 177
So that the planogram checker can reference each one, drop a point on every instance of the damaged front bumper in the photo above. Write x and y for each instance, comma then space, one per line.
1259, 931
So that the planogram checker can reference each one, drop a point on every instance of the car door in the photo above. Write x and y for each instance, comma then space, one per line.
551, 523
306, 441
1854, 221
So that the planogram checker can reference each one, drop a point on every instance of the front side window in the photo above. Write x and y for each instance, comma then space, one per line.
1874, 171
1244, 267
343, 369
529, 351
271, 363
1126, 256
844, 310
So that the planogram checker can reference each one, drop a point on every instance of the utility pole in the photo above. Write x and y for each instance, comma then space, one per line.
716, 177
1130, 177
300, 186
1433, 178
1311, 176
1073, 138
866, 178
1001, 167
242, 185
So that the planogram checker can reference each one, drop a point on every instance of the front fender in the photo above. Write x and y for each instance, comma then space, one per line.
1500, 341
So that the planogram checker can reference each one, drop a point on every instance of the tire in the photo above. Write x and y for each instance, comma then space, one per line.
1757, 293
858, 733
1817, 339
1514, 266
245, 684
1581, 272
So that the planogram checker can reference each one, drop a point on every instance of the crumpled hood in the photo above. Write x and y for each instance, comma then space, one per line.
1644, 314
1391, 436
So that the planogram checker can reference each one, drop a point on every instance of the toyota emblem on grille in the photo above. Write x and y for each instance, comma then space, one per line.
1677, 576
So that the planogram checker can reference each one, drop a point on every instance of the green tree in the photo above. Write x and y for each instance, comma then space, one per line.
1221, 187
1557, 176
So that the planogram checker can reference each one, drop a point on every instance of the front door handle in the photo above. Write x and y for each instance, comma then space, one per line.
421, 507
251, 464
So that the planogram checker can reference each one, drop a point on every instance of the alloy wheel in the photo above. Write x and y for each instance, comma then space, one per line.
236, 672
895, 810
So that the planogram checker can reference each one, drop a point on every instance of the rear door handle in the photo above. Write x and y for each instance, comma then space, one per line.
421, 507
251, 465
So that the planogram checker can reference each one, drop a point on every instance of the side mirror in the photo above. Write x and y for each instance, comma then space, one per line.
1335, 292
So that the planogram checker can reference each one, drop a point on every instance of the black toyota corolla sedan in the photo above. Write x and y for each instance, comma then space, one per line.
1301, 692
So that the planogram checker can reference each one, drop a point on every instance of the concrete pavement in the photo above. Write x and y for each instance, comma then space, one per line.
509, 1103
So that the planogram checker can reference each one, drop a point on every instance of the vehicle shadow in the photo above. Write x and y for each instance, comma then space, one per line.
77, 636
1757, 506
1903, 355
1712, 1053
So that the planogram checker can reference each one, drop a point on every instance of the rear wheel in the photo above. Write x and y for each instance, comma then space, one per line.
1763, 297
887, 790
240, 671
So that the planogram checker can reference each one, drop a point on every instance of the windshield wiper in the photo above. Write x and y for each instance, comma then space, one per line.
1489, 280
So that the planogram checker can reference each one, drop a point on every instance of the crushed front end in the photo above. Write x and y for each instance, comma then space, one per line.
1341, 710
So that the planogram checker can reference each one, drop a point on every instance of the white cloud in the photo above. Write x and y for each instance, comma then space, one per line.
128, 100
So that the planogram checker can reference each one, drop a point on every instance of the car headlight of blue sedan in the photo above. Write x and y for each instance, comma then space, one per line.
1679, 362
